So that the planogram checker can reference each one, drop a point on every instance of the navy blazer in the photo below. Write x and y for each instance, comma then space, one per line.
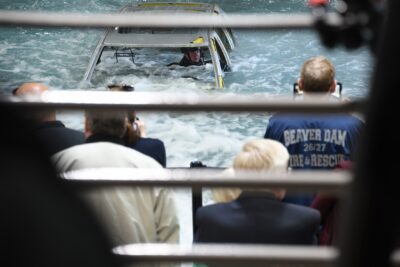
257, 217
151, 147
54, 136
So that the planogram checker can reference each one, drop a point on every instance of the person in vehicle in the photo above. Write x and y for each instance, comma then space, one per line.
315, 141
129, 214
135, 136
51, 133
258, 216
192, 56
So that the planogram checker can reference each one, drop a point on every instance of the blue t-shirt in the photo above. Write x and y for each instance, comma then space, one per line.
315, 141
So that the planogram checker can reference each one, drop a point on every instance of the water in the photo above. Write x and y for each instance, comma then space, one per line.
264, 63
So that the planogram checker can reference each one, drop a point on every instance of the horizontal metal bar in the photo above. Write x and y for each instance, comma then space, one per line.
63, 99
330, 181
166, 20
234, 255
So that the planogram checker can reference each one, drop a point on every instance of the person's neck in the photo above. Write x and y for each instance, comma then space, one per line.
319, 95
101, 137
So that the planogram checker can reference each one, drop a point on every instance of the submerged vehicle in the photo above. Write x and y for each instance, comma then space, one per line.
214, 43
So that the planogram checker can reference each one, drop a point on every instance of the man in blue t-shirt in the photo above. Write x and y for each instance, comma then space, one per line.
315, 141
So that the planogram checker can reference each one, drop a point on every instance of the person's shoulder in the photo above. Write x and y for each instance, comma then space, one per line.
303, 212
287, 120
59, 127
69, 154
153, 142
212, 211
73, 131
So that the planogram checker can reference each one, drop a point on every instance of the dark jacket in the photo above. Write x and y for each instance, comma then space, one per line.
257, 217
54, 136
151, 147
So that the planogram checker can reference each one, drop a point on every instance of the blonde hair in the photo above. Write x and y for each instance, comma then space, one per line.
226, 194
262, 154
317, 75
257, 154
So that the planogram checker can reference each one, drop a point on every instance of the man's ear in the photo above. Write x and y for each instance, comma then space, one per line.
88, 129
300, 84
332, 88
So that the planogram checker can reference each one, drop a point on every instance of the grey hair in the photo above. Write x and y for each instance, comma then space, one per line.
109, 122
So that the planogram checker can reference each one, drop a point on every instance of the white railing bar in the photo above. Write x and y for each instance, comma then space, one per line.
208, 177
179, 102
237, 255
166, 20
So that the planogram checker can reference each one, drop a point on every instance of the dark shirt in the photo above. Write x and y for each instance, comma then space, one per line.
151, 147
315, 142
54, 136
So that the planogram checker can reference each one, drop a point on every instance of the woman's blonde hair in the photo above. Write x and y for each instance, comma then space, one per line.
257, 154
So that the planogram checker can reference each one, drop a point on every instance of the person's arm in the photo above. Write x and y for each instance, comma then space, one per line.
142, 127
268, 132
173, 64
163, 155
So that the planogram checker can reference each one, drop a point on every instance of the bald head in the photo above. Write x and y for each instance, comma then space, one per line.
31, 89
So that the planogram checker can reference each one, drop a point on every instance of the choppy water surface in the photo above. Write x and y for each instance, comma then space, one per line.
264, 63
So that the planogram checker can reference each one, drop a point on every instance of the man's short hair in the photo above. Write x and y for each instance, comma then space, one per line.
108, 122
317, 75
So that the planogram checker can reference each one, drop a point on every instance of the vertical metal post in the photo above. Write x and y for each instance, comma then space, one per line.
197, 195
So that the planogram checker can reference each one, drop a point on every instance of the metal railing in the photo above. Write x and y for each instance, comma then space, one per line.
234, 255
252, 21
333, 182
180, 102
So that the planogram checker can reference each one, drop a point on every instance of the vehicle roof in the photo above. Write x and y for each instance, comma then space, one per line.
161, 38
157, 38
168, 7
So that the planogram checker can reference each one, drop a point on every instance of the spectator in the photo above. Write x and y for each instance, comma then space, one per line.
315, 141
135, 136
131, 215
258, 215
51, 133
43, 222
